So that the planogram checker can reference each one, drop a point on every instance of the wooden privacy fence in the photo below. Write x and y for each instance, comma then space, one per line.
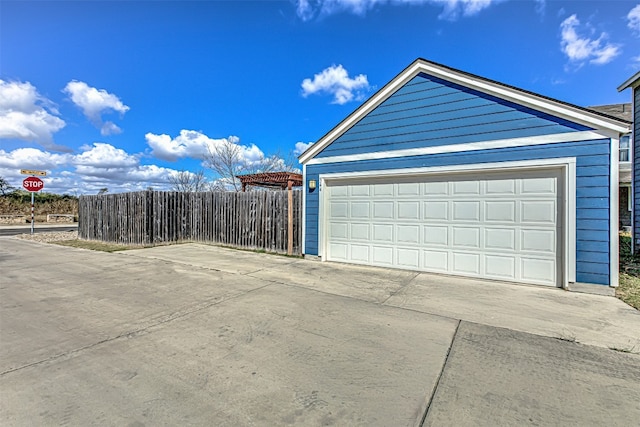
254, 220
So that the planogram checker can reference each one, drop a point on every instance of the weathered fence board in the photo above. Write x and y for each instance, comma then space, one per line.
253, 220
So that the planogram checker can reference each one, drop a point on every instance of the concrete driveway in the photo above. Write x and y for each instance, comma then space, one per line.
199, 335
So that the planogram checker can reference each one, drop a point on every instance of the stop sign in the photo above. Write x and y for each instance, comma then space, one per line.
33, 183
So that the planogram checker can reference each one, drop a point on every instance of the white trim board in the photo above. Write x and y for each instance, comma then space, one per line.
457, 148
521, 97
567, 164
304, 208
614, 213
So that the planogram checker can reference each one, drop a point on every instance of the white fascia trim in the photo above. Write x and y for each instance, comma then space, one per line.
496, 166
568, 165
528, 99
304, 208
570, 224
539, 103
321, 216
457, 148
614, 237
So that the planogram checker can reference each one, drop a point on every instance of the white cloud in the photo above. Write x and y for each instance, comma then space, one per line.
452, 9
196, 145
32, 158
94, 103
26, 115
301, 147
581, 49
634, 20
97, 166
105, 156
189, 143
335, 81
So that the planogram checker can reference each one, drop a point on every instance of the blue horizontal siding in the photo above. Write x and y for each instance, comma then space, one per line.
592, 246
592, 213
598, 279
430, 112
592, 192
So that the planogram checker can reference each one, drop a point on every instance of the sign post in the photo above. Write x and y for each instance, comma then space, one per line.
33, 184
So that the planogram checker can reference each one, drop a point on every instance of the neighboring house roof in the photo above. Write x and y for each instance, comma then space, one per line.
532, 100
621, 111
633, 82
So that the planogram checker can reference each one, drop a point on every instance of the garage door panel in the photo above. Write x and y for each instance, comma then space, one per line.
436, 188
466, 187
501, 187
466, 237
538, 211
360, 190
383, 190
339, 191
409, 189
408, 233
360, 253
338, 230
408, 210
360, 210
383, 232
500, 211
339, 210
360, 231
383, 210
539, 186
338, 251
538, 240
408, 257
502, 226
540, 271
437, 210
497, 266
466, 211
466, 263
436, 235
383, 255
437, 261
500, 239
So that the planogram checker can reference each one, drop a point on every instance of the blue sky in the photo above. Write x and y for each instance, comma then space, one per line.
121, 94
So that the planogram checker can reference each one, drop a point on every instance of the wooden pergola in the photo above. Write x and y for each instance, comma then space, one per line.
280, 180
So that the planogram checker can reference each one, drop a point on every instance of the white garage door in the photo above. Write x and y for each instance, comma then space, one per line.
504, 226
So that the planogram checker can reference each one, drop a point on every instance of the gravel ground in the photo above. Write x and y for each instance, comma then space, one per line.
55, 236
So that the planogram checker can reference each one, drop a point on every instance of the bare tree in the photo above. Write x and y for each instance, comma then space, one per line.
226, 159
188, 182
5, 187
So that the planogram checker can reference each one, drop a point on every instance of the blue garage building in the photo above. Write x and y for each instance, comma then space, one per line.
447, 172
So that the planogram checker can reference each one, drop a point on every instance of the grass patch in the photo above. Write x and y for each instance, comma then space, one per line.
629, 290
94, 246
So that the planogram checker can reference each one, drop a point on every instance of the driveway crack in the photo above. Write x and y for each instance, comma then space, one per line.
400, 289
420, 421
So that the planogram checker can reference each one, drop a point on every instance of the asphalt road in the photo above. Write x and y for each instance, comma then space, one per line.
10, 231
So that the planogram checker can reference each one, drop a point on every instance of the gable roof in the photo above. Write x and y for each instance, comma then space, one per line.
532, 100
633, 81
